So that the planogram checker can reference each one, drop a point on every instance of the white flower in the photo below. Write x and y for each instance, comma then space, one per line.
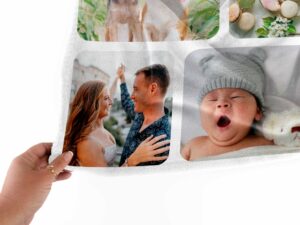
279, 27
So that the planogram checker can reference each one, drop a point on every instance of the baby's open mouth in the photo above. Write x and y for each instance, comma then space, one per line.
224, 121
295, 129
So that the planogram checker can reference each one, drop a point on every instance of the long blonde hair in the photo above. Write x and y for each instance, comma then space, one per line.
82, 116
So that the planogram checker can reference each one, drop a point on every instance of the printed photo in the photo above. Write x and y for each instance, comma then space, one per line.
264, 18
120, 109
241, 102
147, 20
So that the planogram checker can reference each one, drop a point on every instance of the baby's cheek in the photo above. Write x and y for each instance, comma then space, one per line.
244, 116
206, 116
205, 111
246, 122
205, 124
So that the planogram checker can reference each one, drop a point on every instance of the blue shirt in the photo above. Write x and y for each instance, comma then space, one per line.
134, 137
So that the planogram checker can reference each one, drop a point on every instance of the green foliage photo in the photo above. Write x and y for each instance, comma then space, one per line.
91, 17
203, 18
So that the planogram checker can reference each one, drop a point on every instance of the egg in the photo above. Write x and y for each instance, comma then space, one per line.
234, 12
271, 5
246, 21
289, 9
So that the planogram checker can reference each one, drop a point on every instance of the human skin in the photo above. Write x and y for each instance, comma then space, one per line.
105, 104
141, 93
238, 105
28, 183
148, 149
240, 109
90, 152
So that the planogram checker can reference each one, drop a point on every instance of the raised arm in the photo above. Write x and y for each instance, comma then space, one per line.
126, 101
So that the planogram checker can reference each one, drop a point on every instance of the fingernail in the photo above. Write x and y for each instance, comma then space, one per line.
68, 155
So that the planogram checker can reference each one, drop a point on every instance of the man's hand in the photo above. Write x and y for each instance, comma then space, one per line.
148, 150
121, 73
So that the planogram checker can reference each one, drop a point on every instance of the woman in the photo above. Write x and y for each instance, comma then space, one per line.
86, 137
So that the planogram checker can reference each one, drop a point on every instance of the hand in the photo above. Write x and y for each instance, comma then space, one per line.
148, 150
121, 73
28, 183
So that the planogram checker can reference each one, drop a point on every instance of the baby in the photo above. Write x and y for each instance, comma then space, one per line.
231, 102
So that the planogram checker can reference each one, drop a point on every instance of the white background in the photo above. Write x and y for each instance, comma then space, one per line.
33, 41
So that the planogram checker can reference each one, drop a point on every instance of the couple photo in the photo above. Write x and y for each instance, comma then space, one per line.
108, 125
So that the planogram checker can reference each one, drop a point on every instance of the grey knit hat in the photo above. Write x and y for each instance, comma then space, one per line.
234, 70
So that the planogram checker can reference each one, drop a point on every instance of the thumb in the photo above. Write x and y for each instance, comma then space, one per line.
60, 162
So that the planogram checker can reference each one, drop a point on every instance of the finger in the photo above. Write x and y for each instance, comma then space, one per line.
161, 150
160, 144
69, 171
40, 150
147, 139
63, 176
43, 162
156, 139
59, 164
159, 158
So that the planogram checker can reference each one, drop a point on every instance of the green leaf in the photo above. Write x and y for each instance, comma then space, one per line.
100, 17
203, 19
83, 36
209, 25
95, 36
213, 32
90, 3
262, 32
268, 20
291, 30
201, 14
246, 4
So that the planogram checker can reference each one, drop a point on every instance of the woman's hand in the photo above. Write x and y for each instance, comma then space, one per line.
28, 183
121, 73
148, 149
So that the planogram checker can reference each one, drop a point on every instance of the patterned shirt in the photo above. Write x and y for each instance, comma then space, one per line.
135, 137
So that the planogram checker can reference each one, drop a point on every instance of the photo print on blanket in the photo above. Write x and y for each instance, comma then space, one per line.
147, 20
241, 102
120, 107
264, 18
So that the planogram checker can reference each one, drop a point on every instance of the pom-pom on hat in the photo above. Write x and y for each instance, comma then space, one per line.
234, 70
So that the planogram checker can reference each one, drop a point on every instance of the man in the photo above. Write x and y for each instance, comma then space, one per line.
147, 142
